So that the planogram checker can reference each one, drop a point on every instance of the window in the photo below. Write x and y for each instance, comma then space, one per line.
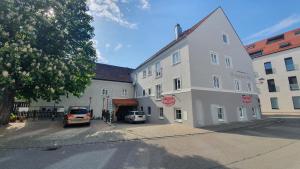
144, 92
124, 92
225, 38
220, 112
176, 58
142, 108
158, 91
296, 102
177, 84
297, 32
268, 68
228, 62
271, 85
214, 58
256, 54
144, 73
216, 82
178, 114
150, 71
249, 86
157, 69
104, 92
242, 112
237, 85
254, 111
251, 46
289, 64
274, 103
149, 92
275, 39
149, 111
284, 44
161, 112
293, 83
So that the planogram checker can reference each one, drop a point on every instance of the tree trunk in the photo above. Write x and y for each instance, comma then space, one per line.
6, 105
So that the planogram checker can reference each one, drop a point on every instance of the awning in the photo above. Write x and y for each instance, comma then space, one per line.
125, 102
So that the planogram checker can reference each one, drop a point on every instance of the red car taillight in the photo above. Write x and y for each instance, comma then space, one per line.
70, 116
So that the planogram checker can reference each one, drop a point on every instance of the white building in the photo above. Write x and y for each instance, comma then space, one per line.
203, 77
276, 60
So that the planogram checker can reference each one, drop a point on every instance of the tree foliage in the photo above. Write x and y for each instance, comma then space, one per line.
45, 48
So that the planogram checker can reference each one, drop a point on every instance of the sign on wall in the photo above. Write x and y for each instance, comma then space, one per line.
168, 100
247, 99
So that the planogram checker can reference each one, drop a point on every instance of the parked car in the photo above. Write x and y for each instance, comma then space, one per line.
77, 115
135, 116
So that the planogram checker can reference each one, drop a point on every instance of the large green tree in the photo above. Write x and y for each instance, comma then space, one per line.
45, 50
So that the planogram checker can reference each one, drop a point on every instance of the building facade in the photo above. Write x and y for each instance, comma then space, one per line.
276, 60
110, 82
203, 77
205, 73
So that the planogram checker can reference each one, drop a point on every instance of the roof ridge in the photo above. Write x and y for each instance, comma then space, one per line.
114, 66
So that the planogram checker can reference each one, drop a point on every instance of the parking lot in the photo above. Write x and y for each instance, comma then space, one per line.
271, 143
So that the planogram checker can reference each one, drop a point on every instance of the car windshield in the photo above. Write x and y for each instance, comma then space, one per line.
139, 113
78, 111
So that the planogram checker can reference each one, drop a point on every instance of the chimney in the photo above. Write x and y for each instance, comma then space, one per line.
178, 31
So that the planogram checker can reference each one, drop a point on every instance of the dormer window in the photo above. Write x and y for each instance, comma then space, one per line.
256, 54
275, 39
251, 46
297, 32
284, 44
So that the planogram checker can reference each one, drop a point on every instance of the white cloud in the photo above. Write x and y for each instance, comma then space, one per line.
145, 4
100, 57
107, 45
283, 24
118, 46
109, 9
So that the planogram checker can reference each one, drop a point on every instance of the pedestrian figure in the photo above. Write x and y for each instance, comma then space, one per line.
103, 114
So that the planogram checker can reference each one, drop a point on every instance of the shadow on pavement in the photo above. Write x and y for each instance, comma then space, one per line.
133, 155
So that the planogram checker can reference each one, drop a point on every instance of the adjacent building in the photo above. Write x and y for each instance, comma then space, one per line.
276, 61
203, 77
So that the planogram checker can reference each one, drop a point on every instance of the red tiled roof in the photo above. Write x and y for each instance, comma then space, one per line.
290, 40
182, 36
112, 73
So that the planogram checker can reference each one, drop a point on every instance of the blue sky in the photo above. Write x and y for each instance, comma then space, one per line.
130, 31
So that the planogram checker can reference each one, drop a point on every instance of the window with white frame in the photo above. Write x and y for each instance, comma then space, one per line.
237, 85
104, 92
178, 114
149, 70
216, 82
242, 112
161, 112
144, 92
158, 91
249, 87
176, 58
214, 58
220, 113
157, 70
177, 83
124, 92
144, 73
228, 62
225, 38
149, 92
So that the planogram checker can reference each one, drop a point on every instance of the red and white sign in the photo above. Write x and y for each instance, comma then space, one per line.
247, 99
168, 100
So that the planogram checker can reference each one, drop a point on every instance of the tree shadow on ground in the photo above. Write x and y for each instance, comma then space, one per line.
118, 155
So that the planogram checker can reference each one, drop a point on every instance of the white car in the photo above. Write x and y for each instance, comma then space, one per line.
135, 116
77, 115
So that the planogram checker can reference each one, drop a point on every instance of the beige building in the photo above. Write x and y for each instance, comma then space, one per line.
276, 63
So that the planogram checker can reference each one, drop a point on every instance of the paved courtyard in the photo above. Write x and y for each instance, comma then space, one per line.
272, 143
